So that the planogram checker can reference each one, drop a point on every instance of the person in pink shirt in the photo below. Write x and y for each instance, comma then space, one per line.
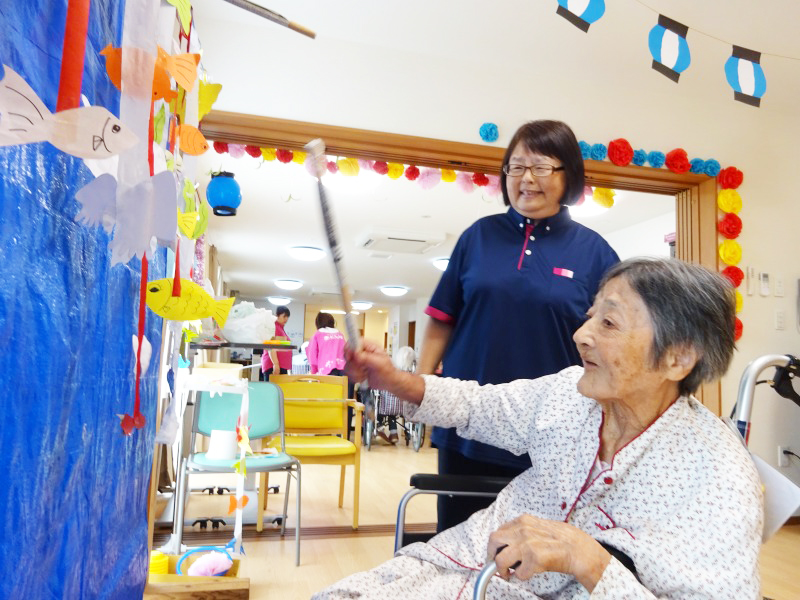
325, 351
283, 358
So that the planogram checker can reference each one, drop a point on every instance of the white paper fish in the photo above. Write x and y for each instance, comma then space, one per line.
87, 132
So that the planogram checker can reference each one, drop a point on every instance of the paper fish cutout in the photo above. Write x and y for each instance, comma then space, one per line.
193, 302
187, 222
137, 214
139, 72
240, 503
182, 67
184, 9
240, 466
144, 357
208, 94
192, 141
129, 423
162, 86
86, 132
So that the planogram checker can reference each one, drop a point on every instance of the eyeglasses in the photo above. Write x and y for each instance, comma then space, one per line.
536, 170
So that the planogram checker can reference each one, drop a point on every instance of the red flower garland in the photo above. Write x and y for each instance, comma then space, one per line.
677, 161
480, 179
620, 152
734, 274
253, 151
285, 156
220, 147
730, 226
737, 329
332, 167
730, 178
412, 172
380, 167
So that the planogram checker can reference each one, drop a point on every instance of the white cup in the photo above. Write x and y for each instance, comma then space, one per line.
222, 445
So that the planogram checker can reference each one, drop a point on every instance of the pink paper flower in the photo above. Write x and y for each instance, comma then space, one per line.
236, 150
464, 182
429, 178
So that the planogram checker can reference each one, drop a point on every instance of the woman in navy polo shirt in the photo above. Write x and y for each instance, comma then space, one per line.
517, 287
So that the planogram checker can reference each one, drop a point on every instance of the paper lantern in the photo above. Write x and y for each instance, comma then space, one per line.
223, 194
745, 75
580, 12
669, 48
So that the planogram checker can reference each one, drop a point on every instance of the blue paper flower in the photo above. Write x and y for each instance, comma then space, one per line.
639, 157
599, 152
711, 167
656, 159
697, 165
586, 150
489, 132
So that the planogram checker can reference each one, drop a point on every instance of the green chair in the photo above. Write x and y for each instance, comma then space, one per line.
266, 420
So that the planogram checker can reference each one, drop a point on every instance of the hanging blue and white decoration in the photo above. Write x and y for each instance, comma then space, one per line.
581, 13
669, 48
745, 75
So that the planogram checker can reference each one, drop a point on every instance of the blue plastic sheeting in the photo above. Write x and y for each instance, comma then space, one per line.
75, 498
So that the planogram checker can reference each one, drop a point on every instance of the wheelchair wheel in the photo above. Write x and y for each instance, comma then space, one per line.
417, 435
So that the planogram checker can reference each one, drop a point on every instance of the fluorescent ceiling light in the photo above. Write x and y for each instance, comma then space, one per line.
288, 284
307, 253
359, 305
441, 263
278, 300
332, 311
393, 290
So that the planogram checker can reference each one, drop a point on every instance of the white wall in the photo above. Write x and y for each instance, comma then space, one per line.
643, 239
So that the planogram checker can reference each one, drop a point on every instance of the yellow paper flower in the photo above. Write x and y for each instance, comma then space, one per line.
396, 170
268, 153
739, 300
729, 201
730, 252
603, 196
348, 166
448, 175
299, 157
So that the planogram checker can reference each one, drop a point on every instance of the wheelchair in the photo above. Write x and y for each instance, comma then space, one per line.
379, 406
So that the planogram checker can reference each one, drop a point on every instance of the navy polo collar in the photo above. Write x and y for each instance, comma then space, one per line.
559, 220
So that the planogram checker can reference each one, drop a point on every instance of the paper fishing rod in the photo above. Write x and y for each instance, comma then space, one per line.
316, 150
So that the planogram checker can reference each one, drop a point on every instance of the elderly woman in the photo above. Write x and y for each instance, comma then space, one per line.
636, 489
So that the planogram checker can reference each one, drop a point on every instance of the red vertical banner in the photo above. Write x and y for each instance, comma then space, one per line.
72, 54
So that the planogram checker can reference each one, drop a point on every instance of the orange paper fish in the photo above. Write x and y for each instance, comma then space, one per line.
192, 141
182, 67
234, 504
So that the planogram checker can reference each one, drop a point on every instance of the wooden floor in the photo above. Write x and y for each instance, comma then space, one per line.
333, 550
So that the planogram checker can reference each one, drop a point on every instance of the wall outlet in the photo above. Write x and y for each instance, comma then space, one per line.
783, 460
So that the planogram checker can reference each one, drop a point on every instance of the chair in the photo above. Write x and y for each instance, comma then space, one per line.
316, 425
266, 418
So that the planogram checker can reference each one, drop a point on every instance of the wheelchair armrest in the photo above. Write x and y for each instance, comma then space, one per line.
458, 483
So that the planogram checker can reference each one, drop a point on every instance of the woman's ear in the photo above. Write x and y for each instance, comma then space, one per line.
679, 362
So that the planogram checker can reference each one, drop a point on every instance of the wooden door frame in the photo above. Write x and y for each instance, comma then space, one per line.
696, 195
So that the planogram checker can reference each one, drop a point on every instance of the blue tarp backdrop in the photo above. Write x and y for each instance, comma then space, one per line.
75, 497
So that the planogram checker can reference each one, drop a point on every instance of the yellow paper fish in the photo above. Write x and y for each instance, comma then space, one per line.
193, 302
187, 222
240, 466
208, 94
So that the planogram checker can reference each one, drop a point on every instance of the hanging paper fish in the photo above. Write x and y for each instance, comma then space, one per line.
193, 302
208, 94
192, 141
147, 73
186, 223
182, 67
240, 503
162, 86
86, 132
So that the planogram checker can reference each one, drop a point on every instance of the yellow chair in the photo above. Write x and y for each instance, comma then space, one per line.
315, 409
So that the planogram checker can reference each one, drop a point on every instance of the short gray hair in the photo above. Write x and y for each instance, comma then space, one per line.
690, 306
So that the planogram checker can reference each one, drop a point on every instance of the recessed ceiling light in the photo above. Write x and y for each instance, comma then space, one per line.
278, 300
393, 290
359, 305
332, 311
307, 253
288, 284
441, 263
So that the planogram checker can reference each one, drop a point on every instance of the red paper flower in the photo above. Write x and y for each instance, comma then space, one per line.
412, 172
480, 179
677, 161
220, 147
253, 151
380, 167
333, 167
737, 329
285, 156
730, 226
734, 274
730, 178
620, 152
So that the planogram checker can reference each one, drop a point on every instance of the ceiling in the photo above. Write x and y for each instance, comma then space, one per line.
398, 69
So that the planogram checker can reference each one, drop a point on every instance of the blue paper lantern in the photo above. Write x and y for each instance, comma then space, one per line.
223, 194
580, 13
745, 75
669, 48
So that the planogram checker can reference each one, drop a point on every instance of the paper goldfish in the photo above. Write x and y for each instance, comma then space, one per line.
192, 141
234, 503
182, 67
148, 73
193, 302
86, 132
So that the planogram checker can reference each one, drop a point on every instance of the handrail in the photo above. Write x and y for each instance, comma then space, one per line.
747, 385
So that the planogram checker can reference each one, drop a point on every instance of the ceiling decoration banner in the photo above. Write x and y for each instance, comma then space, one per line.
670, 49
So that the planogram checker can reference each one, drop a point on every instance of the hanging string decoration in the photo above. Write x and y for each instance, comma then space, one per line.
669, 48
745, 75
580, 12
